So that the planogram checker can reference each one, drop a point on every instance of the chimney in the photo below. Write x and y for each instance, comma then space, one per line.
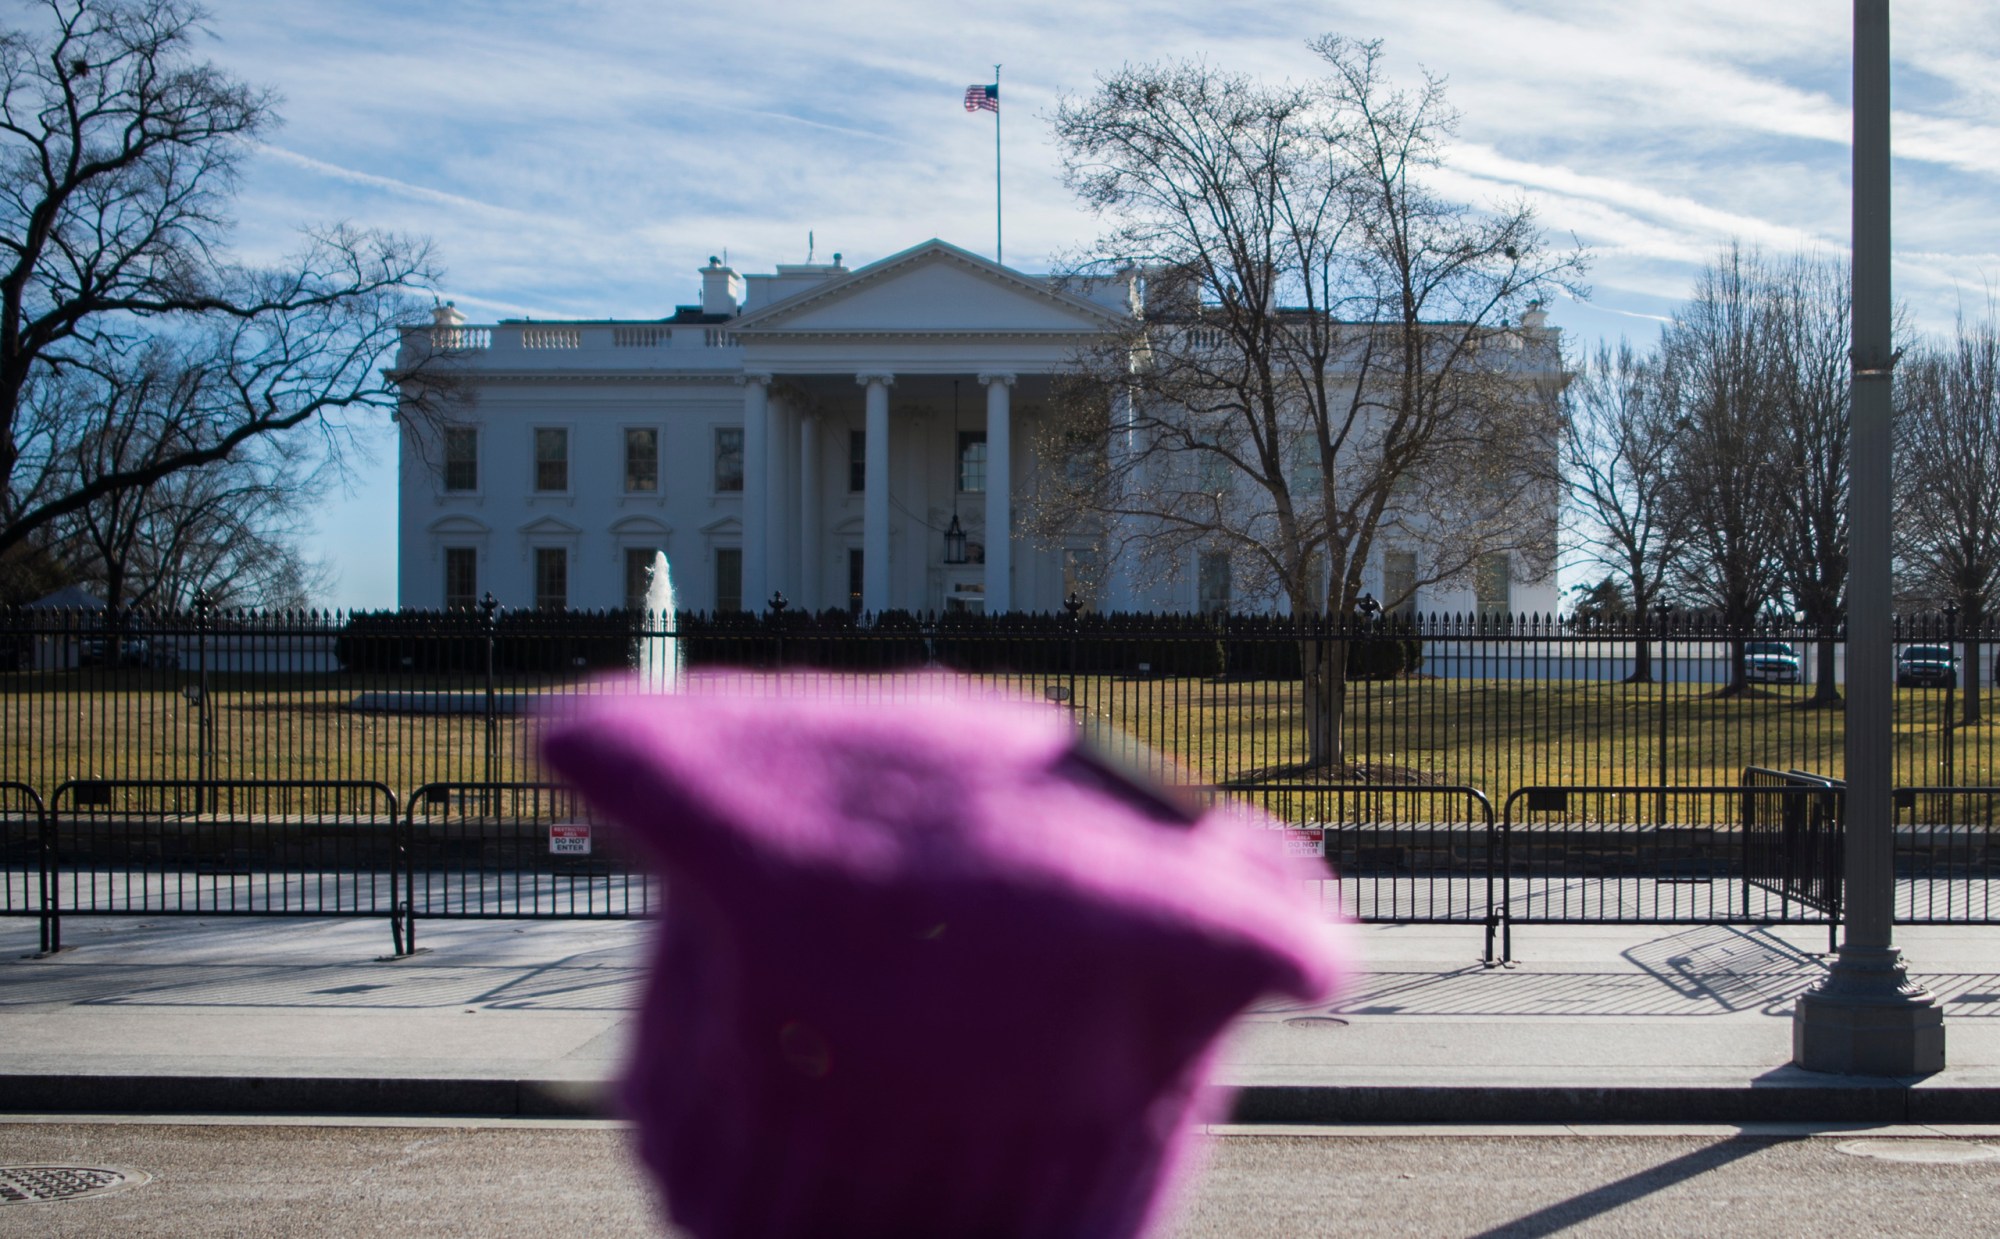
446, 315
721, 290
1171, 292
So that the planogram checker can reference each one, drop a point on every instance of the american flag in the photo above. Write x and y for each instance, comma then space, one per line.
978, 97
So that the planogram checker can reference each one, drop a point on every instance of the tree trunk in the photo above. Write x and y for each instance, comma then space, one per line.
1739, 669
1825, 691
1739, 617
114, 617
1325, 664
1969, 681
1642, 661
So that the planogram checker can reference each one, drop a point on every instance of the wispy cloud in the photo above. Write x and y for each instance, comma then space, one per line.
585, 159
405, 189
1630, 202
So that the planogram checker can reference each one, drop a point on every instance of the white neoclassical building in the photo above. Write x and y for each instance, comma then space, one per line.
847, 438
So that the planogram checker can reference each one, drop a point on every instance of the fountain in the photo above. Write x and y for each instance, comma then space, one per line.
659, 650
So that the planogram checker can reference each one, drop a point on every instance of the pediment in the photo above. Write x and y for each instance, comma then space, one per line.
727, 526
638, 526
934, 288
550, 527
462, 526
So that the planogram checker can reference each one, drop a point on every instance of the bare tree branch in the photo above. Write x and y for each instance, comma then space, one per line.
1948, 480
121, 153
1617, 463
1325, 358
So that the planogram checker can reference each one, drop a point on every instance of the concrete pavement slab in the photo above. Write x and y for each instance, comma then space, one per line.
1593, 1024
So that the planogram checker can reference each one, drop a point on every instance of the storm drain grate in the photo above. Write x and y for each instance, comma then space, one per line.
27, 1185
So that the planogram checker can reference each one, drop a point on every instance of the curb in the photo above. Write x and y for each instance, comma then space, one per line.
1860, 1101
306, 1095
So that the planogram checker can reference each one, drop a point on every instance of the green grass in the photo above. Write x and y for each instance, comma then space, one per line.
1496, 735
1502, 734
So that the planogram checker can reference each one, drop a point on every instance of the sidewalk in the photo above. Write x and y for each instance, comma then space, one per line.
1595, 1024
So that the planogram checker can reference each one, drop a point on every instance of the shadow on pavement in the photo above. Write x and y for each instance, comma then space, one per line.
1567, 1213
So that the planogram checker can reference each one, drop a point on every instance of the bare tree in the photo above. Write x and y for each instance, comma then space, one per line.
1324, 360
1618, 466
120, 153
1726, 493
1807, 301
30, 570
230, 529
1948, 480
232, 534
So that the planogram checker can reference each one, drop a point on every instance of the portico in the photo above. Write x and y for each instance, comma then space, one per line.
943, 442
898, 390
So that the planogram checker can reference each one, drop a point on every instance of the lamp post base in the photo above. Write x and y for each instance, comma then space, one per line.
1868, 1018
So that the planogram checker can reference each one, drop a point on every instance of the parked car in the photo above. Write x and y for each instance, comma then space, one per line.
132, 652
1771, 662
1928, 665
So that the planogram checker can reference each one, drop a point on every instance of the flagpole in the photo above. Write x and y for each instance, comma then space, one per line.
996, 168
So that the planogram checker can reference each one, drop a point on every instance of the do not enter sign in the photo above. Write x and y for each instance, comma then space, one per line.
1305, 844
569, 839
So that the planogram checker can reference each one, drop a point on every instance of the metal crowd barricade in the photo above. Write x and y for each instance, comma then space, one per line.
1947, 855
1644, 855
25, 872
487, 851
1397, 853
1795, 847
251, 847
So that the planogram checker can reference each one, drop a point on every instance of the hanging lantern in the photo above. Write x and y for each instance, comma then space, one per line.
954, 542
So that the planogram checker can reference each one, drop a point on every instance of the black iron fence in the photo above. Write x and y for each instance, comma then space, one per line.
1764, 851
188, 727
489, 851
1393, 853
412, 698
25, 847
1637, 855
1794, 846
1947, 855
219, 848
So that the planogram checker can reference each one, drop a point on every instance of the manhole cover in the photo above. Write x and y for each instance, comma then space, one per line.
1322, 1022
27, 1185
1929, 1152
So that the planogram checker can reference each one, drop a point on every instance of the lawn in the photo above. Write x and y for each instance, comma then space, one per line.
1498, 735
1494, 734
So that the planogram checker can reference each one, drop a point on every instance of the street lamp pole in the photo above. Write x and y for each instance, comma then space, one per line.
1867, 1017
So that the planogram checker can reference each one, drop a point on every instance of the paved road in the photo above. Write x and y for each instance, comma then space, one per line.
573, 1179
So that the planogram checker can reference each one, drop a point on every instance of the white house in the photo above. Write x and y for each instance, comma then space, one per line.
748, 437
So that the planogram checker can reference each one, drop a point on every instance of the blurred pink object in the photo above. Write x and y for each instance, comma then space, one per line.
927, 968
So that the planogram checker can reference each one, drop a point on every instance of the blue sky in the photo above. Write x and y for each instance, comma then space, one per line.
583, 159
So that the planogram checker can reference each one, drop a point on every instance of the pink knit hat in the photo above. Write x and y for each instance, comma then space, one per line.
926, 968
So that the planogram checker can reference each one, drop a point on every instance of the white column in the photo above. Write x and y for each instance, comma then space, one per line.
756, 489
875, 498
999, 493
790, 577
777, 522
809, 510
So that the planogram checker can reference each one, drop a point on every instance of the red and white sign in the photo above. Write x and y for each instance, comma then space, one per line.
1305, 844
569, 839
